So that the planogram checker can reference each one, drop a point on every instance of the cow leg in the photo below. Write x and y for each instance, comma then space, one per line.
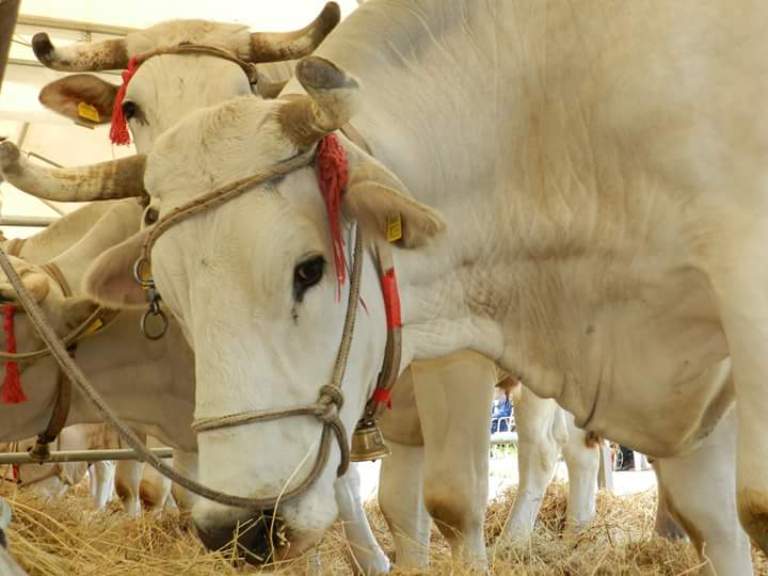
154, 488
582, 457
541, 432
368, 557
186, 463
128, 475
453, 395
665, 525
740, 280
102, 482
401, 499
700, 492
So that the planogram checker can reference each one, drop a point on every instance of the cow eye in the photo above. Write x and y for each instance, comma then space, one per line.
307, 274
150, 216
129, 109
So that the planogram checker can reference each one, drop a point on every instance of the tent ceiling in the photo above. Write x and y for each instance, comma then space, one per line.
44, 134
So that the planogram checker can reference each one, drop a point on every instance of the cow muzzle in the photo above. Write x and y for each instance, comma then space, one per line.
257, 540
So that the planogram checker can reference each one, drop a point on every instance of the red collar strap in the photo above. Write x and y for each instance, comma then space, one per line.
11, 391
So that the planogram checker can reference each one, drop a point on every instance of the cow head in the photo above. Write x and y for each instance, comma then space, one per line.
166, 87
64, 313
253, 284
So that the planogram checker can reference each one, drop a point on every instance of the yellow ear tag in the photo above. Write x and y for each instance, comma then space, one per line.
85, 110
95, 327
394, 228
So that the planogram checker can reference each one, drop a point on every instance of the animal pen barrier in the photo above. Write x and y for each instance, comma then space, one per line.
80, 456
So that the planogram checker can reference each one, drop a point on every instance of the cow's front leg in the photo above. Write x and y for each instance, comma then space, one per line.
128, 475
102, 482
699, 490
401, 498
368, 557
582, 457
541, 433
186, 463
454, 395
665, 526
742, 290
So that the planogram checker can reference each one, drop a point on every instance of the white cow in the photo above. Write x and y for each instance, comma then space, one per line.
149, 384
53, 480
603, 231
128, 479
461, 521
146, 380
132, 478
153, 103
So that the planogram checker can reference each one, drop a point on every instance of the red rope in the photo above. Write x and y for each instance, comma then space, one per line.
332, 176
118, 132
11, 392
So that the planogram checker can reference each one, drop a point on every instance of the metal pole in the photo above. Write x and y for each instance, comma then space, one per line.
9, 12
73, 25
33, 221
81, 456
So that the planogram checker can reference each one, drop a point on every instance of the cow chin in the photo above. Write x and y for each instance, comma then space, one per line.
266, 536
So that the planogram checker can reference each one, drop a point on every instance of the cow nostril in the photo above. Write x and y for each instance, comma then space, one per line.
257, 538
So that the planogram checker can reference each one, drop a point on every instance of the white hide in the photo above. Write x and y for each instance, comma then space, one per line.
596, 244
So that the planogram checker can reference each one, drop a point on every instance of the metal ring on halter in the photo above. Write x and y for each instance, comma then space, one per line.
153, 312
139, 267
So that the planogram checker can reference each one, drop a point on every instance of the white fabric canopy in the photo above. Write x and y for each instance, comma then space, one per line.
42, 133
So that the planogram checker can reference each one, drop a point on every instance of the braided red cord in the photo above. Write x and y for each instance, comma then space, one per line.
11, 392
118, 131
332, 176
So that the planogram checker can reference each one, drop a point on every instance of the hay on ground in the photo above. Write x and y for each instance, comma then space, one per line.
66, 537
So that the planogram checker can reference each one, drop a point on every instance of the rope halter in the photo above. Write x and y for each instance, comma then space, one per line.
331, 397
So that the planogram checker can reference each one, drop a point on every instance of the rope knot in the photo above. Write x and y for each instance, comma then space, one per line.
331, 400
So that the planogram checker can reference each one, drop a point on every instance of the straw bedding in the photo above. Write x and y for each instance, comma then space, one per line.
66, 538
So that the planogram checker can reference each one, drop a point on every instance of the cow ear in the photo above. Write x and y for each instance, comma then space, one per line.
109, 280
377, 199
82, 97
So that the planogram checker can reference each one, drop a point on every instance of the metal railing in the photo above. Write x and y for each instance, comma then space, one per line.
81, 456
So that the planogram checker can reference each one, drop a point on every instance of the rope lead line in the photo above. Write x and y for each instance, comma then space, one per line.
75, 375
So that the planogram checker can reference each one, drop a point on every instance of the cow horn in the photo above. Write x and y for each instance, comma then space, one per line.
81, 57
332, 100
276, 46
121, 178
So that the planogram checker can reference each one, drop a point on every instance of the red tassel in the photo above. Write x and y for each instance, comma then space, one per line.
118, 132
332, 175
11, 392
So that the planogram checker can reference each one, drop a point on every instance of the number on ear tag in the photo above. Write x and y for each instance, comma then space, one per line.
394, 228
85, 110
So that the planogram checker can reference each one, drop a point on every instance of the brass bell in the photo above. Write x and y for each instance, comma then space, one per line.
368, 442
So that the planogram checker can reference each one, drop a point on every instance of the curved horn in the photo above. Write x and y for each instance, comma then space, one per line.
275, 46
122, 178
81, 57
332, 101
